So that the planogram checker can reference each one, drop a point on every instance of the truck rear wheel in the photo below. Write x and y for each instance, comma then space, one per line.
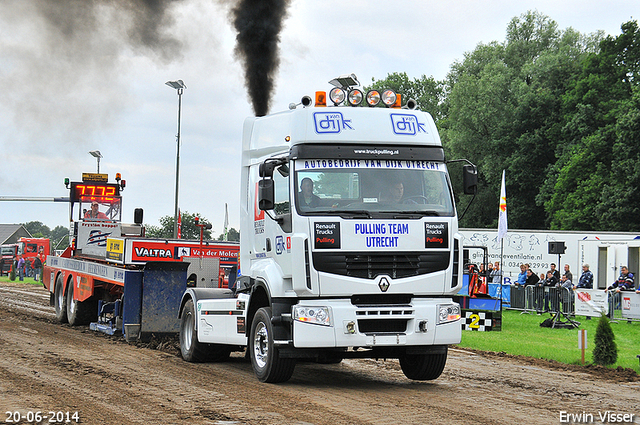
80, 312
193, 350
423, 367
265, 356
60, 301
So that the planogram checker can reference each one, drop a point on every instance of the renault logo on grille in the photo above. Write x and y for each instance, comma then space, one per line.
384, 284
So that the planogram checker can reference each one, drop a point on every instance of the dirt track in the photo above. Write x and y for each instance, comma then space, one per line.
48, 367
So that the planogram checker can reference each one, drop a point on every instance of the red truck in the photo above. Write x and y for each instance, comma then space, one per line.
29, 248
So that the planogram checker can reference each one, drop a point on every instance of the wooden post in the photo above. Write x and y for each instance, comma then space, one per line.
582, 343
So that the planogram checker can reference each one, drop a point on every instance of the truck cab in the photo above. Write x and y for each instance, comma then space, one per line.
349, 241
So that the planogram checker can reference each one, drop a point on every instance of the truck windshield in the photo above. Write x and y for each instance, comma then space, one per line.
100, 210
372, 188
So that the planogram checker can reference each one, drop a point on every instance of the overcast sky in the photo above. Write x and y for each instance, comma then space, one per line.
81, 75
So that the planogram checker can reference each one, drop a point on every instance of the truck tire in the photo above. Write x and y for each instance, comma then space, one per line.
193, 350
80, 312
60, 301
265, 356
423, 367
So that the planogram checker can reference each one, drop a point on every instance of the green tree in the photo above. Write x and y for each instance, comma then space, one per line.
189, 230
232, 235
596, 175
37, 229
426, 91
60, 237
504, 109
605, 351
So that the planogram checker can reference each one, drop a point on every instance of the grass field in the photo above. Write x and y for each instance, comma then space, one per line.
522, 335
27, 280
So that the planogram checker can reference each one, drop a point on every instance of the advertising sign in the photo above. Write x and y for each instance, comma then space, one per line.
630, 305
591, 302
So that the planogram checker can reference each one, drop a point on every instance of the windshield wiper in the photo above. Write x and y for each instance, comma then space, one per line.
349, 213
414, 213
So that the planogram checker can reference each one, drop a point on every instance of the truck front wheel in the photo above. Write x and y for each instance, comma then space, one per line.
60, 301
193, 350
423, 367
265, 356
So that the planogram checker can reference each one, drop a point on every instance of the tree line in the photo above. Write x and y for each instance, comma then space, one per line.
558, 110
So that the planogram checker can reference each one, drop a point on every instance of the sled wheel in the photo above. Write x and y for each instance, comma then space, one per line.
60, 301
80, 312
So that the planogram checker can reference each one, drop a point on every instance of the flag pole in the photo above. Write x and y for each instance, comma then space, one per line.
502, 230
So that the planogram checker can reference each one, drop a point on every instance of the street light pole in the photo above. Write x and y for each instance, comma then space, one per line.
179, 86
97, 155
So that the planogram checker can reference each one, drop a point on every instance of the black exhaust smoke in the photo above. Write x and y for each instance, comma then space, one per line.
258, 23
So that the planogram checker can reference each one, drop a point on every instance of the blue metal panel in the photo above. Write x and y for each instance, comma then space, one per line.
162, 287
131, 310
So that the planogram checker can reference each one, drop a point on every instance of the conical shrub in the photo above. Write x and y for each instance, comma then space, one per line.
605, 351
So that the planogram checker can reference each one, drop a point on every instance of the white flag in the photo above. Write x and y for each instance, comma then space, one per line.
226, 221
502, 218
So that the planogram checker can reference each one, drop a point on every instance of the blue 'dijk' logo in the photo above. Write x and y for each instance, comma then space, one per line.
331, 122
279, 245
407, 124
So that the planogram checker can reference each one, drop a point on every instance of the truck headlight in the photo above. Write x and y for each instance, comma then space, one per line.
314, 315
448, 313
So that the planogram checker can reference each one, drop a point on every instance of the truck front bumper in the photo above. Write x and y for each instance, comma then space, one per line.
415, 324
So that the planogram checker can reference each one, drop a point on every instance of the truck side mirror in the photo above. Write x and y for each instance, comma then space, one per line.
266, 194
470, 179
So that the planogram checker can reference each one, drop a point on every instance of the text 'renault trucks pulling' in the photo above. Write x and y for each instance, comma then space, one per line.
349, 243
116, 279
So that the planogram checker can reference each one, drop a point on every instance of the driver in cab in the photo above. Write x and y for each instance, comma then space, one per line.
395, 192
94, 214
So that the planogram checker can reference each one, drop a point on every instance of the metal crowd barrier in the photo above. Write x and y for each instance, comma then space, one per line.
542, 299
615, 308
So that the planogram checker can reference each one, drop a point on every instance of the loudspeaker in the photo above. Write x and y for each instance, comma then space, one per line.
557, 248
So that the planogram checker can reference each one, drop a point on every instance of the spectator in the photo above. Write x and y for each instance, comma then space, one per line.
568, 273
532, 278
586, 279
625, 281
550, 282
27, 267
522, 276
21, 267
489, 270
565, 282
482, 273
555, 272
496, 274
37, 267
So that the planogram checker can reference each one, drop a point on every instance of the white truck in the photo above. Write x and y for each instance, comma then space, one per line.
349, 242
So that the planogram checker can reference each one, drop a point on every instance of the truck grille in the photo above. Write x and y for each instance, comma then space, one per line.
368, 266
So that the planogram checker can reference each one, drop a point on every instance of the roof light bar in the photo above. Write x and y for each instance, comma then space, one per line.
389, 97
373, 97
355, 96
337, 95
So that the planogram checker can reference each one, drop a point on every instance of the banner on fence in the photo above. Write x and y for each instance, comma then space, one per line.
630, 305
591, 302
